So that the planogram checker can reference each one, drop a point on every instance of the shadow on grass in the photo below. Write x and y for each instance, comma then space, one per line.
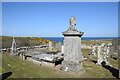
5, 75
115, 72
94, 61
115, 58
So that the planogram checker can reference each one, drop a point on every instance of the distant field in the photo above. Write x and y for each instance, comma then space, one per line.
89, 42
23, 41
95, 42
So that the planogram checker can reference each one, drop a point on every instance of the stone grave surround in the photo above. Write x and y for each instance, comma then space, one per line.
103, 54
47, 59
72, 49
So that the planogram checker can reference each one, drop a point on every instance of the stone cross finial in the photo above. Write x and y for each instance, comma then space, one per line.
72, 22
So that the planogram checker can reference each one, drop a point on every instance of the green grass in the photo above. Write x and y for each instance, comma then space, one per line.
114, 63
89, 42
27, 69
95, 71
85, 52
23, 41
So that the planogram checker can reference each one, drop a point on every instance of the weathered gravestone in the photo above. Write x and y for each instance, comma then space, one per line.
103, 54
13, 48
50, 46
72, 49
115, 47
59, 46
94, 50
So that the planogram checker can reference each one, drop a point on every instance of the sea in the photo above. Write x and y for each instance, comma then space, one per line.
60, 39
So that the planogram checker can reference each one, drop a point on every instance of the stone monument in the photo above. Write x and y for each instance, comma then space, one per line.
72, 49
13, 49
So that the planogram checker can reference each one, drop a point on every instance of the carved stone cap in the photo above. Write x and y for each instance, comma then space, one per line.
72, 32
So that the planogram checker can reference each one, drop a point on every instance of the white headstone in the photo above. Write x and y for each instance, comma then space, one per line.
13, 49
62, 49
50, 46
94, 50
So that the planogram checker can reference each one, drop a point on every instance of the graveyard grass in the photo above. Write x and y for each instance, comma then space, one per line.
95, 42
26, 69
88, 42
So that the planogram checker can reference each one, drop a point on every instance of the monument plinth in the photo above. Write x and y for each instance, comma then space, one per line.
72, 49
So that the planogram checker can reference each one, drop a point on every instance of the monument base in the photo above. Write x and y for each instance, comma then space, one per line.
72, 67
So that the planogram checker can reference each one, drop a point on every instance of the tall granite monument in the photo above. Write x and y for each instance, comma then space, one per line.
13, 49
72, 49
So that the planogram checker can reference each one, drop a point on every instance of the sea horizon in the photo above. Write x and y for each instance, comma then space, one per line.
60, 39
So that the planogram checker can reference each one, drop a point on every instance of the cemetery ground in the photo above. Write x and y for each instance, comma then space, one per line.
27, 69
